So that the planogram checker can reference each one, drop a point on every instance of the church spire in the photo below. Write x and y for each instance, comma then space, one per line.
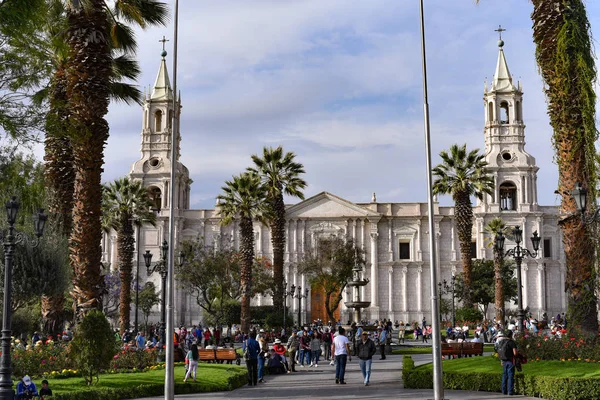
502, 79
162, 86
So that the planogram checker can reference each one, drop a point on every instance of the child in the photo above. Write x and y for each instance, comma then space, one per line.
45, 391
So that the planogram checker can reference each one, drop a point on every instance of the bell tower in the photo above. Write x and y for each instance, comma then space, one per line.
514, 170
154, 166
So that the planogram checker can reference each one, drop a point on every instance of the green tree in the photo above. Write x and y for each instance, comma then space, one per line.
483, 289
125, 203
148, 297
93, 346
329, 268
213, 277
462, 174
243, 197
281, 175
494, 228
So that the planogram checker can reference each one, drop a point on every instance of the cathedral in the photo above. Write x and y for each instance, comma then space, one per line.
394, 236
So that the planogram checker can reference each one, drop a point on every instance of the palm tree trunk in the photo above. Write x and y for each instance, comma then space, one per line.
499, 298
88, 77
464, 226
561, 32
247, 250
58, 171
125, 245
278, 241
52, 314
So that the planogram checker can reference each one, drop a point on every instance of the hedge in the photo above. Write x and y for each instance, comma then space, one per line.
556, 388
145, 390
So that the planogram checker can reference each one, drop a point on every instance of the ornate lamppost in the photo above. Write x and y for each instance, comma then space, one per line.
286, 293
580, 196
444, 287
10, 240
518, 253
162, 268
300, 296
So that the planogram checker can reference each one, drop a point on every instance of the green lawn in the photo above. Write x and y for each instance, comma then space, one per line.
537, 368
427, 350
210, 378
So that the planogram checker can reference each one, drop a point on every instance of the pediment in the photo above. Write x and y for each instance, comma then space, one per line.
327, 205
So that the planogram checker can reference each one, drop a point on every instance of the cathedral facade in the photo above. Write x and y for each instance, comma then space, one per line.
395, 236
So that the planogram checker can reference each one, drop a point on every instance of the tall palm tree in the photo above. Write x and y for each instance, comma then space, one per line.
493, 228
243, 197
89, 71
124, 204
281, 175
462, 174
561, 32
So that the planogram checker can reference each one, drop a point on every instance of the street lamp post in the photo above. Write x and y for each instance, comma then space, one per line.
137, 276
10, 240
300, 296
580, 196
286, 293
518, 253
162, 268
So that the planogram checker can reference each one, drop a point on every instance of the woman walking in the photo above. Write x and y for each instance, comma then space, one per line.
192, 358
315, 348
264, 350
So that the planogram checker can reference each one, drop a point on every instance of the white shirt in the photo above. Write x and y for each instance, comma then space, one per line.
340, 343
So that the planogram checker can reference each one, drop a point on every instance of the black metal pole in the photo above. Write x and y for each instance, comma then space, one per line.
453, 311
520, 312
299, 310
6, 383
137, 278
284, 307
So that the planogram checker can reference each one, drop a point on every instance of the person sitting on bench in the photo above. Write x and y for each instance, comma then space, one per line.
280, 350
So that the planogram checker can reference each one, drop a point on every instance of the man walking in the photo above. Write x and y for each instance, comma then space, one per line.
507, 351
382, 338
252, 349
341, 350
292, 346
366, 350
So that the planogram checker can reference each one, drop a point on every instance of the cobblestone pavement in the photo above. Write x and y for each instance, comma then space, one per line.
319, 383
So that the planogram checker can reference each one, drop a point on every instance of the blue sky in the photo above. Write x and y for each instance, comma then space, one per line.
339, 83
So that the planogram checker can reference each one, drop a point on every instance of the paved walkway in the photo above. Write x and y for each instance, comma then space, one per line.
319, 383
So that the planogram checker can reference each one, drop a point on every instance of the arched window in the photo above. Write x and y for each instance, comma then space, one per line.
156, 197
158, 120
490, 111
504, 117
508, 196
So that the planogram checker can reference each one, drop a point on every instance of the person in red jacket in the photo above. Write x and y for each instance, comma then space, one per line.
280, 349
207, 337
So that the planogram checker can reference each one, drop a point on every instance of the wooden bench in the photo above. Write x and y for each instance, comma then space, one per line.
462, 349
217, 355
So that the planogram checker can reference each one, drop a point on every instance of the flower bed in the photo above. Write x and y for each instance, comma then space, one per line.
563, 348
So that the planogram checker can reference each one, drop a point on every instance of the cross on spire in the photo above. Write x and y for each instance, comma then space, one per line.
500, 30
164, 41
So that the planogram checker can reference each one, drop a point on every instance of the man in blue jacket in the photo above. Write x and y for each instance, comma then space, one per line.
252, 349
26, 389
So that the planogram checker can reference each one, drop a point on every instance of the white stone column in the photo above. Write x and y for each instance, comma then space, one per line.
525, 283
418, 242
390, 248
259, 240
294, 239
390, 293
404, 290
541, 281
374, 270
113, 253
363, 234
419, 289
354, 232
302, 236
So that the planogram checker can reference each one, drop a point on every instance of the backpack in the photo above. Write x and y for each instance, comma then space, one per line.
505, 351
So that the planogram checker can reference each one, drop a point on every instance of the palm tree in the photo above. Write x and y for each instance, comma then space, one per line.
462, 174
243, 197
89, 72
494, 228
281, 175
562, 34
124, 204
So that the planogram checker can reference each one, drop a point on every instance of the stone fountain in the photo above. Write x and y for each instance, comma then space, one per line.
356, 283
